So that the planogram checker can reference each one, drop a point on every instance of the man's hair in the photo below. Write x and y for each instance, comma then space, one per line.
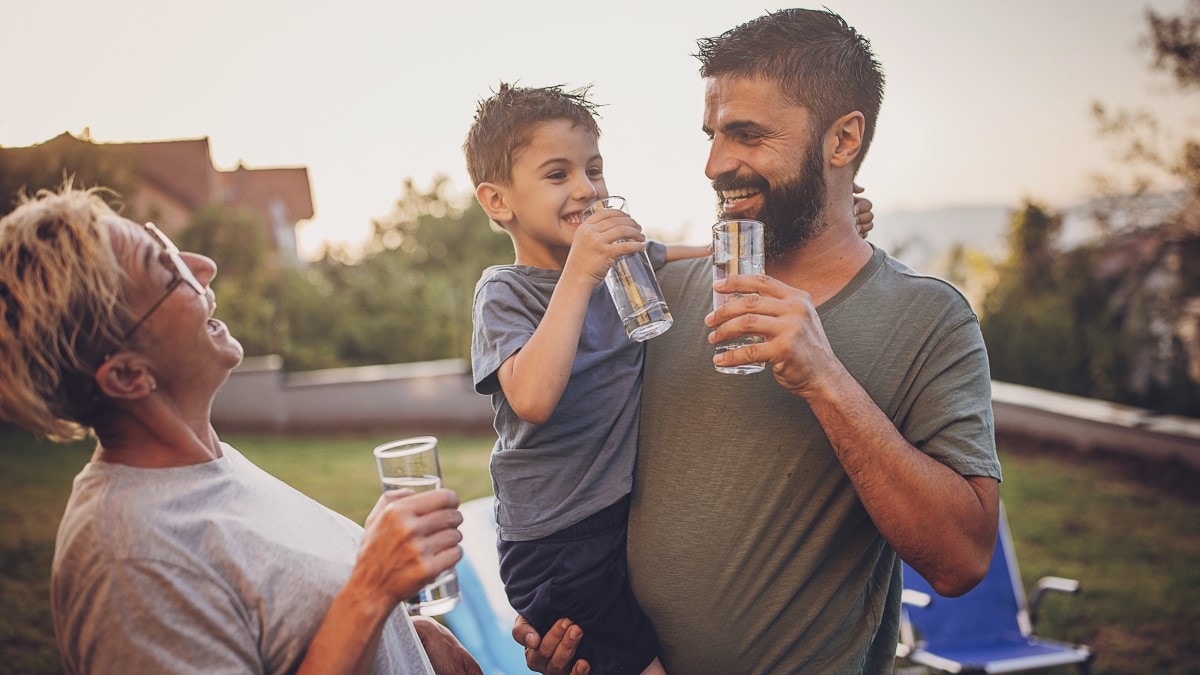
504, 123
61, 307
817, 60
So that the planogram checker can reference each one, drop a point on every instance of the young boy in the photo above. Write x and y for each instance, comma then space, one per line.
565, 380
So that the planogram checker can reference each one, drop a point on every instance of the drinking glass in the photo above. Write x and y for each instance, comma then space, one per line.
633, 286
737, 249
412, 463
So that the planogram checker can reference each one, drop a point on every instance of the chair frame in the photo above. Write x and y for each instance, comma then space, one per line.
914, 649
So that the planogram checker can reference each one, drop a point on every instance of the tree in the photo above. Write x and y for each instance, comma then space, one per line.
250, 281
47, 166
417, 282
1147, 148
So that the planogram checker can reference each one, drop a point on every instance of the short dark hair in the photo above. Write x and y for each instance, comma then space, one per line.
815, 57
504, 124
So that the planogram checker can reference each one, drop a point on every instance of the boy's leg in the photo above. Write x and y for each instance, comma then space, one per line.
580, 573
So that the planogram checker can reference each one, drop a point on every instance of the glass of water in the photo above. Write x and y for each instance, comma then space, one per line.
633, 286
412, 464
737, 249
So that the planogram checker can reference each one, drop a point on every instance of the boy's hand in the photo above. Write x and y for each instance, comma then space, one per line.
599, 241
864, 217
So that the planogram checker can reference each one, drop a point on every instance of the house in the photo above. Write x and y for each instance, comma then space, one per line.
169, 181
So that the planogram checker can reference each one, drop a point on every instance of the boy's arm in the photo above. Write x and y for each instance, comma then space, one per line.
679, 251
535, 377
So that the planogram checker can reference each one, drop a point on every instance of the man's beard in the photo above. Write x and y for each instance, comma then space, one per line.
791, 212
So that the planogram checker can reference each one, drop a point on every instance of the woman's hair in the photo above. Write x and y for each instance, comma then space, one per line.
60, 302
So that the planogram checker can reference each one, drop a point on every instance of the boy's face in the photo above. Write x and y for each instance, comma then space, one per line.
554, 177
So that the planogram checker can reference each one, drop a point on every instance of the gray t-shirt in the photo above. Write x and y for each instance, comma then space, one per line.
211, 568
748, 547
552, 475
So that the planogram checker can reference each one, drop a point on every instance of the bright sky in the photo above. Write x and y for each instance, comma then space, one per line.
986, 102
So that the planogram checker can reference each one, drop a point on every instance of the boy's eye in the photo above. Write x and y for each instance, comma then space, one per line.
595, 172
556, 175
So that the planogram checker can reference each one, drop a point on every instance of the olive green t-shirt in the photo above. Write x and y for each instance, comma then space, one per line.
748, 546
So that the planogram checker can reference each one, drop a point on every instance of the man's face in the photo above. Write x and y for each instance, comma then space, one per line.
766, 162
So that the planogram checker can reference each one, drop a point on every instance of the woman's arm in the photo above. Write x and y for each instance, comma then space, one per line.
409, 540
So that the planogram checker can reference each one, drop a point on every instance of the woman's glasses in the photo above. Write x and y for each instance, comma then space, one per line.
180, 272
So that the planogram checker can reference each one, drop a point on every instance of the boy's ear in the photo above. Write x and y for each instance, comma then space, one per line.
125, 376
846, 136
492, 198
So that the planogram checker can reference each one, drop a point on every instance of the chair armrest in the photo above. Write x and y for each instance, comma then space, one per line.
915, 598
1048, 584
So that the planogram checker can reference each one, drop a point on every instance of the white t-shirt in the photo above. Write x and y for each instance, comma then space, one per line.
215, 567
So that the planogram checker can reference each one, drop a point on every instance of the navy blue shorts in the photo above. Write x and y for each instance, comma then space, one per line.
580, 573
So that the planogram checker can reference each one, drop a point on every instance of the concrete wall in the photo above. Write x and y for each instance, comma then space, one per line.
433, 396
436, 396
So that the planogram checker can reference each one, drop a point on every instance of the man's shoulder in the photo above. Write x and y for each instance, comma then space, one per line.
897, 275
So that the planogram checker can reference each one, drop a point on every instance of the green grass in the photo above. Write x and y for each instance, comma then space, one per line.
1134, 546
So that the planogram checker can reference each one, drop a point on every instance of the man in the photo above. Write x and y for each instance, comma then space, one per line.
770, 512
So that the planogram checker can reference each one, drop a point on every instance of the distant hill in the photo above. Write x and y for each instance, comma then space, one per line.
922, 238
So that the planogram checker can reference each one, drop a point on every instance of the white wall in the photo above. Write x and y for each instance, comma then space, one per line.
436, 396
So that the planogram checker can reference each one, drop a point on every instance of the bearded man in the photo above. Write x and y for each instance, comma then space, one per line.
770, 512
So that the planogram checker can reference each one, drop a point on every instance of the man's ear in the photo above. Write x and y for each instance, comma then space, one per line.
125, 376
846, 136
494, 202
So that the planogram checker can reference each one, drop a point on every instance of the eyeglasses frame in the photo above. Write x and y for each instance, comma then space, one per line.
179, 269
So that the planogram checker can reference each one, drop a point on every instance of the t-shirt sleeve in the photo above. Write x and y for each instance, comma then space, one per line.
951, 416
139, 616
504, 319
657, 252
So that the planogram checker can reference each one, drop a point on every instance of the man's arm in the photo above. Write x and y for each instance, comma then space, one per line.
942, 523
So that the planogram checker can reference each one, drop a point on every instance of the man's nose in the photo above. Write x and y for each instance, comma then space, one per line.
720, 160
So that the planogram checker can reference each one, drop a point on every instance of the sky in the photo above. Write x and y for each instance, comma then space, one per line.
986, 103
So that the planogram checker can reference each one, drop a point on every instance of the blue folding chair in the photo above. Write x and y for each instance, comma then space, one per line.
990, 628
483, 619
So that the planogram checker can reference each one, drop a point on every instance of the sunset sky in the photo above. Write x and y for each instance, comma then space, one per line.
986, 102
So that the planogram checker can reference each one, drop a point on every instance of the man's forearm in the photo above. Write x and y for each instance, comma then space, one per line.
941, 523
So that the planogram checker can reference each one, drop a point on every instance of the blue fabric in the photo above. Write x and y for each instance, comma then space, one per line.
980, 630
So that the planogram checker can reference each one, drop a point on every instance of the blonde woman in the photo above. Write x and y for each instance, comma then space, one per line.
176, 553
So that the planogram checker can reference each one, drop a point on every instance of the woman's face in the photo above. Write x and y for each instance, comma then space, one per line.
172, 322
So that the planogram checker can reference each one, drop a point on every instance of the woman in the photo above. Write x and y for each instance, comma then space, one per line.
175, 553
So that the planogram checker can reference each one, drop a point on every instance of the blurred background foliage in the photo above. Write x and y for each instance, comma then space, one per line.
1116, 317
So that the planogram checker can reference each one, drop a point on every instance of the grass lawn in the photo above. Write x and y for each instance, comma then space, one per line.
1134, 545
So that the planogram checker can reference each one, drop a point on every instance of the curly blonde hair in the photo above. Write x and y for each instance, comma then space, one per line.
61, 307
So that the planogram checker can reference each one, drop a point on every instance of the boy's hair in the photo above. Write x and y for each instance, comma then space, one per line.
816, 59
504, 124
61, 307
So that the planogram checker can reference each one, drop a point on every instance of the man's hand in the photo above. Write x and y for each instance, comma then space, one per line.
864, 217
551, 654
409, 540
445, 652
794, 342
